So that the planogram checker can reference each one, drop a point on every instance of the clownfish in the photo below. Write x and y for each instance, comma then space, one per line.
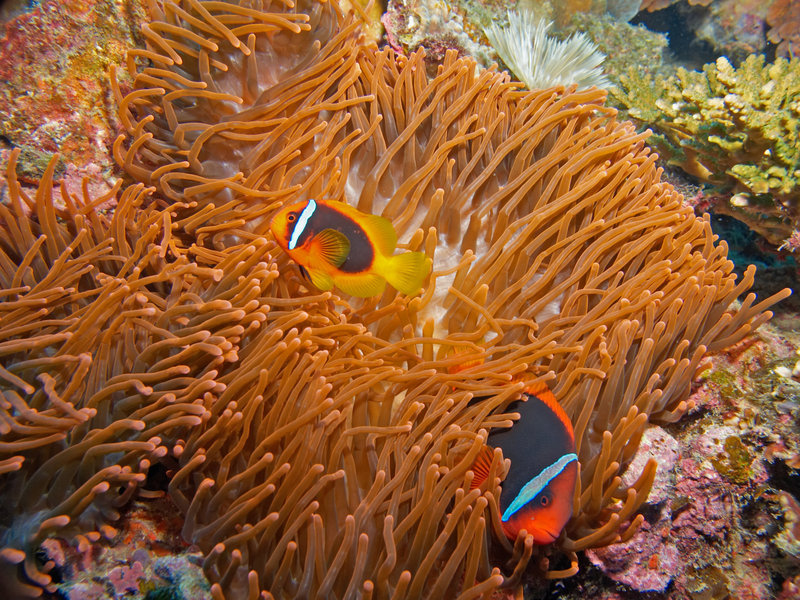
336, 244
538, 490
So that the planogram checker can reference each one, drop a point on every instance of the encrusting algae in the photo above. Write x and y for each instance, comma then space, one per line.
316, 445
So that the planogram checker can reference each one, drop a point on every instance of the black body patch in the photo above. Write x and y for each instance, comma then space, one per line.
361, 253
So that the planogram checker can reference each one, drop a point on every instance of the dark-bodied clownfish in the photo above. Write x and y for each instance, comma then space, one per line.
336, 244
538, 490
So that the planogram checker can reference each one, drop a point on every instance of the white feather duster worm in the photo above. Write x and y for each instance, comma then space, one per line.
541, 61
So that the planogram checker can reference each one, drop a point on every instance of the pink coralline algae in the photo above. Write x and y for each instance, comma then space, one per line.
709, 509
134, 574
126, 578
716, 524
54, 65
649, 561
656, 443
436, 26
87, 591
693, 527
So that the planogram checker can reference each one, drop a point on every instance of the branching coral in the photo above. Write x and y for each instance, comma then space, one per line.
736, 128
318, 445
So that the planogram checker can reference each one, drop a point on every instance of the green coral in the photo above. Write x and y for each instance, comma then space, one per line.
735, 128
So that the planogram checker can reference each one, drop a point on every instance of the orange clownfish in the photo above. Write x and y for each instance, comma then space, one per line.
538, 490
336, 244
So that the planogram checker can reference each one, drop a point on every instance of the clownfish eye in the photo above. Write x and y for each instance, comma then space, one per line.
544, 500
291, 217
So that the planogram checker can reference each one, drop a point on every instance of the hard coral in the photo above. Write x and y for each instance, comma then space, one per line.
734, 128
321, 445
624, 45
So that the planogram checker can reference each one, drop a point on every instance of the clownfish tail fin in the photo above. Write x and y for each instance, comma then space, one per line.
481, 466
406, 272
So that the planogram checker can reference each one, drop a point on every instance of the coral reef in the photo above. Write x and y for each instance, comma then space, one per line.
783, 17
319, 445
145, 558
650, 560
652, 5
54, 65
719, 521
734, 128
733, 28
437, 26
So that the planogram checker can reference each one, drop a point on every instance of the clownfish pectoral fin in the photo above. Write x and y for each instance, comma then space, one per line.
481, 466
331, 246
406, 272
320, 279
382, 232
363, 285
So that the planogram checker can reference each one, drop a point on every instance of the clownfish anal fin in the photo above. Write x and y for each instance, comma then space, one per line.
320, 279
481, 466
332, 246
363, 285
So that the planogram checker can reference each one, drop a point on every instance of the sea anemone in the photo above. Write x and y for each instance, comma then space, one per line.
318, 445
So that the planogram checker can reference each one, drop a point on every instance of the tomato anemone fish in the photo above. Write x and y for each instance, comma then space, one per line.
336, 244
538, 490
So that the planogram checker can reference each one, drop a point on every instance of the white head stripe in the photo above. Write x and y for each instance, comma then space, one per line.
302, 221
536, 485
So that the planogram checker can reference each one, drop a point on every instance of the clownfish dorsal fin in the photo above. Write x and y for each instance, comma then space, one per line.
333, 246
543, 393
481, 466
381, 230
